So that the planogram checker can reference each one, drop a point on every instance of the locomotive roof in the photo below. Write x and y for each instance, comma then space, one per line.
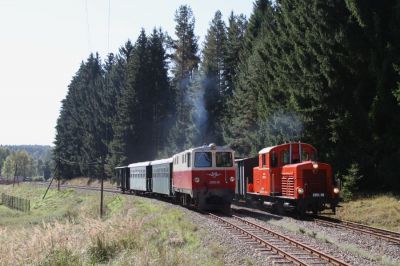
139, 164
207, 148
268, 149
162, 161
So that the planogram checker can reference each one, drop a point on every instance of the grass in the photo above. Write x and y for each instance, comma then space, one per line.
381, 211
64, 229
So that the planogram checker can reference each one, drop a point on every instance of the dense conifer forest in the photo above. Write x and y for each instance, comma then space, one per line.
323, 72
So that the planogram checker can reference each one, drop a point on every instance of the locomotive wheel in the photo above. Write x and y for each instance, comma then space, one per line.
278, 208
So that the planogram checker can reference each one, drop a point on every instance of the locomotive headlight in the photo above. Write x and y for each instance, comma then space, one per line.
315, 165
196, 179
232, 179
336, 190
300, 190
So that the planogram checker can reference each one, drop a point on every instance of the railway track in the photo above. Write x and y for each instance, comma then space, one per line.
390, 236
282, 249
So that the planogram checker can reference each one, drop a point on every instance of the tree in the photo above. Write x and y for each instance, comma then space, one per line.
185, 61
241, 124
215, 77
4, 153
235, 38
19, 164
80, 144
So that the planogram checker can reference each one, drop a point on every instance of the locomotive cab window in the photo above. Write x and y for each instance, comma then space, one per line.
263, 160
305, 156
273, 160
203, 159
188, 160
224, 159
285, 157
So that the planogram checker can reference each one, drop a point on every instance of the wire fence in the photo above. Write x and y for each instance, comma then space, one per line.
16, 202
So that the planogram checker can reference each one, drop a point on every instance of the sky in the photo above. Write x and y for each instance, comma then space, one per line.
43, 42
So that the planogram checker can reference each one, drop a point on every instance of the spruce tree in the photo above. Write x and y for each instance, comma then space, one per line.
185, 61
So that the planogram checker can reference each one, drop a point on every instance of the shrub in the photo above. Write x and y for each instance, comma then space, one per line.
101, 251
350, 182
61, 257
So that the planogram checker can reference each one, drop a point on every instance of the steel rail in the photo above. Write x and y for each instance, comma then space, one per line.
297, 244
259, 240
390, 236
273, 247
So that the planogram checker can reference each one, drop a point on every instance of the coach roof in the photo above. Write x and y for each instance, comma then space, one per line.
162, 161
139, 164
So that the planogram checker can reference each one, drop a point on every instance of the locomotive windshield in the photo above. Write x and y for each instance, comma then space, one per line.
224, 159
203, 159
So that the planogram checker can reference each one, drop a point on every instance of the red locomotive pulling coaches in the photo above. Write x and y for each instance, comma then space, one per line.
287, 177
205, 177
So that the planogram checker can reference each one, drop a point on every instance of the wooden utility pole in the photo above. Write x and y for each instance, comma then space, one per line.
55, 169
101, 190
15, 173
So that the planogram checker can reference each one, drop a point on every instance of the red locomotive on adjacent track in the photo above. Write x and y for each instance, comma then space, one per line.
287, 177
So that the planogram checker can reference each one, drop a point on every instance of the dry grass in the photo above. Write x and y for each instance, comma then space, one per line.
134, 232
86, 181
379, 210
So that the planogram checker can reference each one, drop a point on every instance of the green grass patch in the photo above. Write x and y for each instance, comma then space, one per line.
65, 229
381, 211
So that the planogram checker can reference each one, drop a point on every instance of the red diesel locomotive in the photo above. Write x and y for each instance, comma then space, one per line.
287, 177
206, 181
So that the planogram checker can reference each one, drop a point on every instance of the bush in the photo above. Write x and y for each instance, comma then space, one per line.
102, 251
350, 182
61, 257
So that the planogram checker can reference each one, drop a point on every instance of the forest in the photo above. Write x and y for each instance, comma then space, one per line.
25, 161
322, 72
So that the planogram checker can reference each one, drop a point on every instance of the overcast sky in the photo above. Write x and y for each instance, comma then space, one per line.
42, 43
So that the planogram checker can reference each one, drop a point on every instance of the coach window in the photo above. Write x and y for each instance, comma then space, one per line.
273, 160
224, 159
203, 159
188, 160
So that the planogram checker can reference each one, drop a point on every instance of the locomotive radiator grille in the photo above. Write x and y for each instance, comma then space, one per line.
287, 186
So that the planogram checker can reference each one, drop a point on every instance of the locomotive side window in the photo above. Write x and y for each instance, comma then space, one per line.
273, 162
263, 160
305, 156
203, 159
285, 157
224, 159
188, 160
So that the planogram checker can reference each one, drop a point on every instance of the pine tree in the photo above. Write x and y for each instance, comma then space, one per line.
185, 61
235, 40
215, 77
241, 126
79, 141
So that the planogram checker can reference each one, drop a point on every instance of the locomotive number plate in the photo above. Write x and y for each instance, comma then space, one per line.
214, 182
318, 194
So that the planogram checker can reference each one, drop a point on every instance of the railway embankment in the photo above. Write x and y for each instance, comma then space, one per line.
378, 210
64, 229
